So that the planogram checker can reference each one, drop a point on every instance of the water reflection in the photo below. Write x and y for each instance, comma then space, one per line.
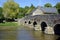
24, 33
8, 34
38, 35
29, 34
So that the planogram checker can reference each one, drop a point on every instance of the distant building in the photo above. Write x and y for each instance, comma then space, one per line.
44, 10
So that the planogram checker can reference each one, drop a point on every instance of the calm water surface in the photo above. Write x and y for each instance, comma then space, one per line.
24, 33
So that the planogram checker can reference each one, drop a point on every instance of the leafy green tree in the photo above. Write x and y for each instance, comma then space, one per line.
21, 12
1, 10
47, 5
58, 7
32, 7
26, 9
1, 15
10, 9
21, 15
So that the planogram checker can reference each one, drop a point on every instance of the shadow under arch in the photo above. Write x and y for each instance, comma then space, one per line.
57, 29
58, 38
34, 23
29, 22
25, 22
43, 25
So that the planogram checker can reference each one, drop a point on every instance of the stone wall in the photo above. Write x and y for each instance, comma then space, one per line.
50, 20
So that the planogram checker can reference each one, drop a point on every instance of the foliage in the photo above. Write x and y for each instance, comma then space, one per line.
32, 6
0, 9
21, 15
9, 24
21, 12
30, 9
58, 7
47, 5
1, 15
26, 9
10, 9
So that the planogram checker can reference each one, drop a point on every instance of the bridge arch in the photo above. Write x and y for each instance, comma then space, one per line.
57, 29
43, 25
29, 22
25, 21
34, 23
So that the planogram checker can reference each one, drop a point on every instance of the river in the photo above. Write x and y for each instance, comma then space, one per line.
24, 33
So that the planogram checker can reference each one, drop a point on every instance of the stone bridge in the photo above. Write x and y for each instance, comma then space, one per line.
49, 24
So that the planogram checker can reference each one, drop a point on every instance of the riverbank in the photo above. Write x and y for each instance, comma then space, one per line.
8, 26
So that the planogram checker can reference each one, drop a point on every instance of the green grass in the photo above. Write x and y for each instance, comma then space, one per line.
9, 24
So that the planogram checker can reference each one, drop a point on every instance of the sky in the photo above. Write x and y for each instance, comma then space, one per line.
23, 3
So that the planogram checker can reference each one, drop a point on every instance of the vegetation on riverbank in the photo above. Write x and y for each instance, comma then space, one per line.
8, 26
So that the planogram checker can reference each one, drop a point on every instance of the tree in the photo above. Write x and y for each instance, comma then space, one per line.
58, 7
1, 15
0, 9
21, 12
32, 7
47, 5
26, 9
10, 9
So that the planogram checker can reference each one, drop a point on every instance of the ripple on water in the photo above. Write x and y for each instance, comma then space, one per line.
28, 34
24, 33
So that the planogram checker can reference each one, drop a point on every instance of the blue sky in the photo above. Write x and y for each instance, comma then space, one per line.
36, 3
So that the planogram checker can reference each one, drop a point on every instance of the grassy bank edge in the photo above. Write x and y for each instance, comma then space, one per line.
9, 26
